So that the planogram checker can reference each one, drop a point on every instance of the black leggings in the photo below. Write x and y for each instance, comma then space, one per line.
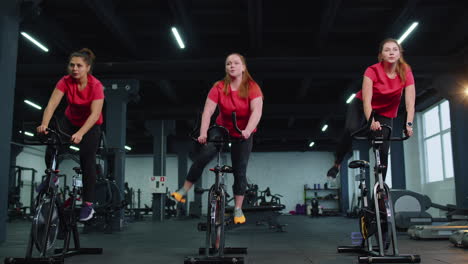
355, 119
240, 152
88, 148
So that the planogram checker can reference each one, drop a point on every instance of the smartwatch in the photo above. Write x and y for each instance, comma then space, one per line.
410, 124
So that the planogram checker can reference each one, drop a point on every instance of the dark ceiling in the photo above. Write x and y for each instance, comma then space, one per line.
308, 56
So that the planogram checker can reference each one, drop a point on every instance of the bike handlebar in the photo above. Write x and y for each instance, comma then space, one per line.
58, 133
370, 136
230, 139
234, 122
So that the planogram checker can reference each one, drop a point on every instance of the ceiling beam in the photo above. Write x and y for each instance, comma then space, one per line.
327, 21
455, 39
255, 18
270, 111
301, 93
398, 26
328, 66
184, 23
105, 11
167, 89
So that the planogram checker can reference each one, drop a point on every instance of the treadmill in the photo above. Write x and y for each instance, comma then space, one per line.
410, 214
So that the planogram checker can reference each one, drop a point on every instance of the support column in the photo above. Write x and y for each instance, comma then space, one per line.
398, 155
159, 129
118, 93
458, 114
15, 150
9, 28
344, 182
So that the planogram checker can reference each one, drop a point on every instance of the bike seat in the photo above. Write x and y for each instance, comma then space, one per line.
358, 164
77, 170
218, 134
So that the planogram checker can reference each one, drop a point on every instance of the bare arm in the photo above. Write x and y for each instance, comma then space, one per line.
367, 96
256, 108
367, 102
96, 109
208, 111
54, 101
410, 98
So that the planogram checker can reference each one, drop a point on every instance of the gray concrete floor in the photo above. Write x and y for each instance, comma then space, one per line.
307, 240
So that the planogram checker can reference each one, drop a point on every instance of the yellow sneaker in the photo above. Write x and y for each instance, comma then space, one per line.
239, 219
178, 197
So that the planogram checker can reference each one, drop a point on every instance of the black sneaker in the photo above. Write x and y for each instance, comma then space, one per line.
86, 212
332, 172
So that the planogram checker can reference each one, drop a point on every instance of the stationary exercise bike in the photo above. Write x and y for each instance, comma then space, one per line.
51, 218
215, 249
376, 220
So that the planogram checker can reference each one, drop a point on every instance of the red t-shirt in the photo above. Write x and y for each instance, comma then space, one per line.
79, 102
232, 102
386, 92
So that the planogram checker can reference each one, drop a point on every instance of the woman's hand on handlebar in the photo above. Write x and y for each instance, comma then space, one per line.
375, 126
246, 134
202, 138
409, 131
42, 129
76, 138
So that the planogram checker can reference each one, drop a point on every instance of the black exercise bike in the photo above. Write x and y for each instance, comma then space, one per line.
215, 249
51, 218
376, 220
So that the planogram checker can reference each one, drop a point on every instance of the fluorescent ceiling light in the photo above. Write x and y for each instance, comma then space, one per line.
74, 148
178, 38
324, 127
128, 148
33, 104
311, 144
42, 47
408, 31
28, 134
350, 98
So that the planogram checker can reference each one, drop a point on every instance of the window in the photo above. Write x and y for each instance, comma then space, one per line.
437, 143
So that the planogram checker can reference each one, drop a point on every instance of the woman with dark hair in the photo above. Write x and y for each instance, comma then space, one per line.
83, 119
236, 92
382, 89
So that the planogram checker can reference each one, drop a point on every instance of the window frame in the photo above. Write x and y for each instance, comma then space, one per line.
441, 132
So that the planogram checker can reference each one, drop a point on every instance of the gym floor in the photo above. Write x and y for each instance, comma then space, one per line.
306, 240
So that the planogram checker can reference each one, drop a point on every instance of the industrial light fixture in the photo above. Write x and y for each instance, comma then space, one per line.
178, 38
128, 148
407, 32
350, 98
37, 43
311, 144
74, 148
324, 128
33, 104
28, 134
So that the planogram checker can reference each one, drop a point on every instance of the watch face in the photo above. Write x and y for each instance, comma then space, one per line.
410, 124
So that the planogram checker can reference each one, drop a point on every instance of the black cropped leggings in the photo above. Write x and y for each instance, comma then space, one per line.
240, 152
355, 119
88, 148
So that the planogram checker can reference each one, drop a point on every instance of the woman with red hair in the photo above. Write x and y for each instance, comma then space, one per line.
382, 89
236, 92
